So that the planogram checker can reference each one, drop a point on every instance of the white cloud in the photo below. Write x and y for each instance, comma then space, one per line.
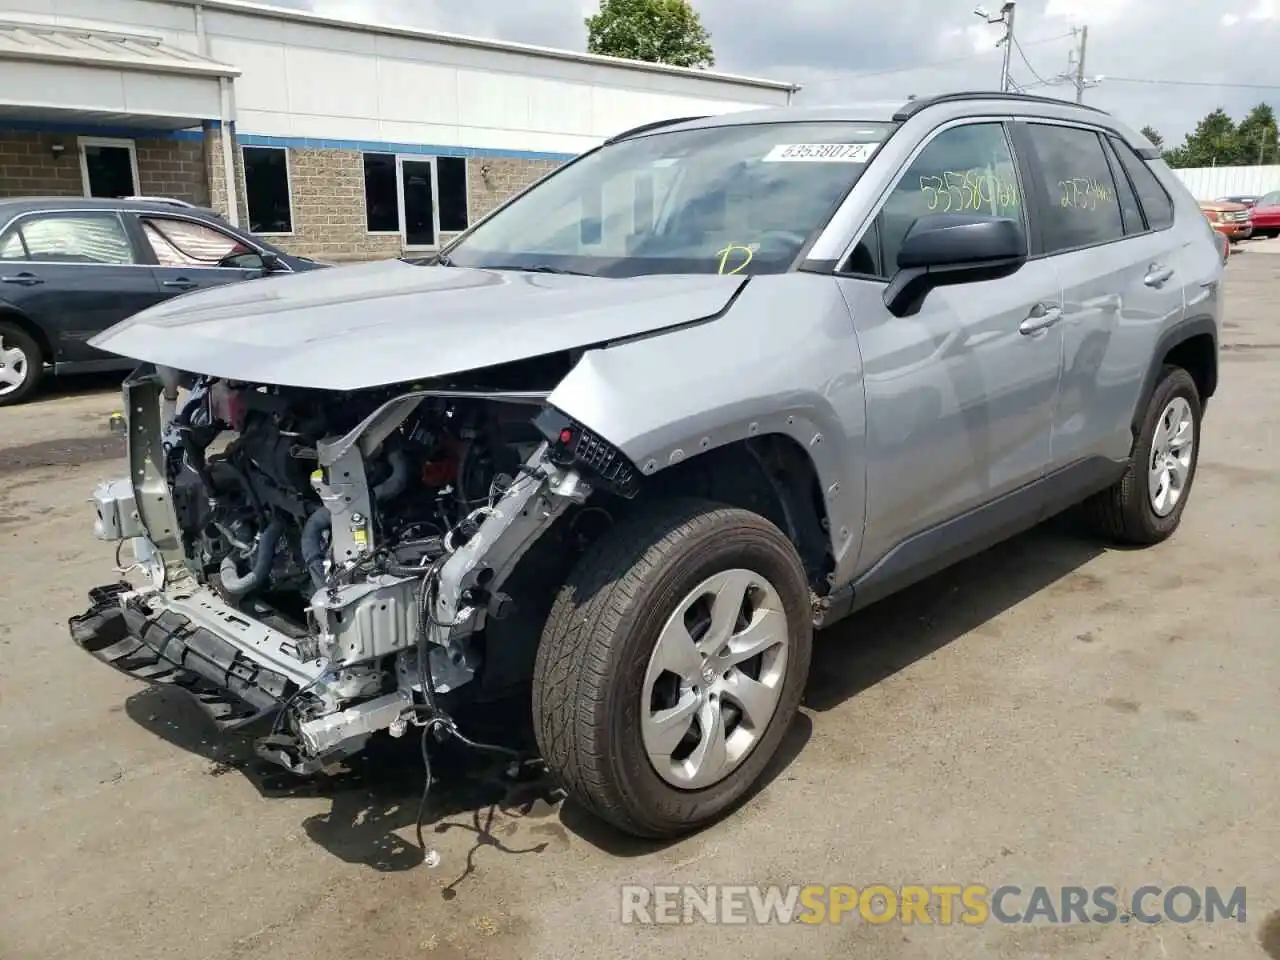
896, 48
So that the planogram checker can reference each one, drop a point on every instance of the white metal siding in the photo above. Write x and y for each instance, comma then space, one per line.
107, 91
321, 82
1210, 183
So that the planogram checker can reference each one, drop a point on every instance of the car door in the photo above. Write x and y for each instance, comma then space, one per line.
1119, 281
191, 254
74, 273
960, 396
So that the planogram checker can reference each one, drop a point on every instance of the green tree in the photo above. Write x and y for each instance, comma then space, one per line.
1152, 134
1256, 137
656, 31
1214, 142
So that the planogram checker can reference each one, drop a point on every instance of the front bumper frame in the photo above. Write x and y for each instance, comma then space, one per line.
173, 643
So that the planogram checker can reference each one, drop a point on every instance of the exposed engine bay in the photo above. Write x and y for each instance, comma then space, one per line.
343, 561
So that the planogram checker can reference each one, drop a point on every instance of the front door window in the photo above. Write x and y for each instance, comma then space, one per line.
109, 168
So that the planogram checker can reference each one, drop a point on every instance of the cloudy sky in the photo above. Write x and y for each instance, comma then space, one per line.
840, 50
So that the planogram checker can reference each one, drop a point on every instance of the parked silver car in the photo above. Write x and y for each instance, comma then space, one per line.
637, 434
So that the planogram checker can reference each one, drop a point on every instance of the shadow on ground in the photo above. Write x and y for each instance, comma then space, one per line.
77, 385
374, 800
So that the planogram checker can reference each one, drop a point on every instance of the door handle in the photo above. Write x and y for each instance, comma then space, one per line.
1041, 317
1157, 275
23, 280
182, 283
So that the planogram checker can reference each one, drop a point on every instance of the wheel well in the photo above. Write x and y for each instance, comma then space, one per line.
31, 330
1197, 356
771, 475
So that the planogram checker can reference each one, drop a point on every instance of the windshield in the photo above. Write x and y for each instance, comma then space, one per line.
733, 199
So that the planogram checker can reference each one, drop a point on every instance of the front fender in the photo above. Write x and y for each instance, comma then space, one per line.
782, 360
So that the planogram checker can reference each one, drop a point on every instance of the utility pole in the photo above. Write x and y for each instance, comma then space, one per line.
1007, 12
1005, 17
1084, 40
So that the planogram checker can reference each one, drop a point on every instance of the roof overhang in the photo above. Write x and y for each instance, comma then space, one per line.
32, 40
54, 73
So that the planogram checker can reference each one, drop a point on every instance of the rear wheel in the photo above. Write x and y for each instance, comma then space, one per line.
1146, 505
21, 364
671, 666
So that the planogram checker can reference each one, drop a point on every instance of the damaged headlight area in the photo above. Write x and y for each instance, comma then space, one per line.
344, 562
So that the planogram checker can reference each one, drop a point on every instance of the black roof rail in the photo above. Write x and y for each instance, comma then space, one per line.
646, 127
912, 107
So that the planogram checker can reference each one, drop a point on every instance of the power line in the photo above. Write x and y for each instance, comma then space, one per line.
1193, 83
1018, 47
846, 77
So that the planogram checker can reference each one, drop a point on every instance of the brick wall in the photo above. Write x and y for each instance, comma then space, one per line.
492, 180
172, 168
328, 208
166, 167
328, 198
28, 168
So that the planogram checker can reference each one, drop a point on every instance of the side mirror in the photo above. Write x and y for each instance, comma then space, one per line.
947, 248
270, 262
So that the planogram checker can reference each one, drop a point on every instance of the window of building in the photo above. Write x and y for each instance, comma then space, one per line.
93, 238
108, 168
1153, 197
1079, 199
381, 199
451, 187
266, 189
965, 170
185, 243
431, 191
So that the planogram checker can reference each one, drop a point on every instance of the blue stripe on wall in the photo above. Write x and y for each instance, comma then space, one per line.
259, 140
383, 146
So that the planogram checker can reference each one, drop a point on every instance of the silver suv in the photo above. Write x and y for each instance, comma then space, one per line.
634, 436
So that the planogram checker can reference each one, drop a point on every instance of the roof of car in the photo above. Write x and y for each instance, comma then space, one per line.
15, 205
962, 103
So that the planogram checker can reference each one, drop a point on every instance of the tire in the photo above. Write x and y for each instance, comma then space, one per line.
597, 653
13, 338
1125, 512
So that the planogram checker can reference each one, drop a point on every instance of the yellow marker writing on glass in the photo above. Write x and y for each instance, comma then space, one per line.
729, 251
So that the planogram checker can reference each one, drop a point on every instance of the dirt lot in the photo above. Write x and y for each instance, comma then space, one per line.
1050, 712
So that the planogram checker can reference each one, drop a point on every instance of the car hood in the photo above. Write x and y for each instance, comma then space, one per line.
1222, 207
372, 324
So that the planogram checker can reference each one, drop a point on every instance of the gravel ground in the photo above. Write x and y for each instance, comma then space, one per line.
1050, 712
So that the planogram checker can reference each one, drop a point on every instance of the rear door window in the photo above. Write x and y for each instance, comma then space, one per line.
88, 238
1076, 194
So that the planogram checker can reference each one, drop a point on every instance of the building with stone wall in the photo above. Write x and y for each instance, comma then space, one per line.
334, 139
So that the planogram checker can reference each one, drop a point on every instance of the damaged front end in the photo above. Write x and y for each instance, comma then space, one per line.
345, 562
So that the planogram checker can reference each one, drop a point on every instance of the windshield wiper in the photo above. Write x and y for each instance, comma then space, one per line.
541, 268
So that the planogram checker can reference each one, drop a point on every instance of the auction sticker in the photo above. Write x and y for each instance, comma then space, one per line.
820, 153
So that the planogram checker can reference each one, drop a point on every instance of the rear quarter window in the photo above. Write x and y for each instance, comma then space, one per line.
1155, 200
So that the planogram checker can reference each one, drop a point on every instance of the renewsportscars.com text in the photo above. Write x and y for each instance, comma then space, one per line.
966, 904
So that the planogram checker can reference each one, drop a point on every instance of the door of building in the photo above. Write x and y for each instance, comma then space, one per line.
109, 168
418, 216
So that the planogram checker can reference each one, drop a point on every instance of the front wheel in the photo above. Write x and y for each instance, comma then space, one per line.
672, 664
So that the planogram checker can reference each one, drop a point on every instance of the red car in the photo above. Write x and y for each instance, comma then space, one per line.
1266, 215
